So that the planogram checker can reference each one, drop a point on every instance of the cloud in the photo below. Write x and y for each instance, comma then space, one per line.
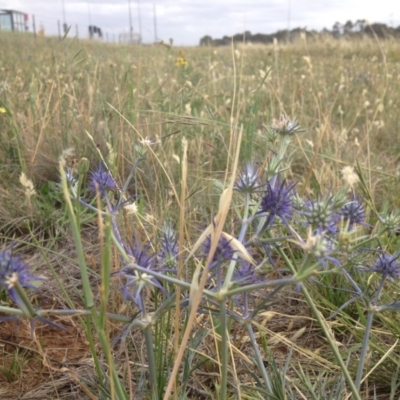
188, 20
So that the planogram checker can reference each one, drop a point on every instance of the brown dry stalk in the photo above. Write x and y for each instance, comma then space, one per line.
220, 218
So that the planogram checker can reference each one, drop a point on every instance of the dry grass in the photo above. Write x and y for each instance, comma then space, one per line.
56, 93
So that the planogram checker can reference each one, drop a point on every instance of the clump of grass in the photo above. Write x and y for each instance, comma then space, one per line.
12, 367
272, 217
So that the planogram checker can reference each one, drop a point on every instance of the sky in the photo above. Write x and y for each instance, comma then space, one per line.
187, 21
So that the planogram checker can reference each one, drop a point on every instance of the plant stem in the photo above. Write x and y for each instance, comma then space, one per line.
224, 351
367, 333
148, 336
258, 356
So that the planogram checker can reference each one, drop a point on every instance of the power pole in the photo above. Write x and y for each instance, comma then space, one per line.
130, 22
90, 19
64, 19
155, 22
34, 26
289, 17
140, 21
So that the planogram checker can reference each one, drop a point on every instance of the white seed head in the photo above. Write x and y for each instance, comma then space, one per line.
27, 185
131, 209
349, 176
66, 156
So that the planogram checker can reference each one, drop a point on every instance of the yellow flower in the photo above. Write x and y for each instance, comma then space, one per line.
2, 110
181, 62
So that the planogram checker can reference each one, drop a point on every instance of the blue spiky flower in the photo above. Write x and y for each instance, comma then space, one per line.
71, 177
277, 202
320, 214
244, 273
138, 282
354, 213
248, 180
387, 265
391, 221
13, 270
72, 181
285, 126
102, 181
168, 254
223, 253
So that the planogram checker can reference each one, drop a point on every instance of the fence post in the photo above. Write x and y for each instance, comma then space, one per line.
34, 26
59, 29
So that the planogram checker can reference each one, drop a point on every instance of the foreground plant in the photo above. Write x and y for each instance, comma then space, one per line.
313, 238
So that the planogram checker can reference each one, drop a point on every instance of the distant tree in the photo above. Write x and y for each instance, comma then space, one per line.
380, 30
206, 41
261, 38
281, 35
359, 26
226, 40
356, 29
326, 32
348, 27
337, 29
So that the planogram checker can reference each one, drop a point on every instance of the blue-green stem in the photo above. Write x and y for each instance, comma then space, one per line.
367, 333
260, 285
12, 311
148, 336
224, 350
87, 291
258, 356
23, 301
105, 272
104, 289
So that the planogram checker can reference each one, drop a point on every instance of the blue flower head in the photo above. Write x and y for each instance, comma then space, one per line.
354, 213
277, 202
102, 181
13, 269
223, 252
71, 177
391, 221
248, 181
387, 265
285, 126
168, 254
139, 282
244, 274
320, 215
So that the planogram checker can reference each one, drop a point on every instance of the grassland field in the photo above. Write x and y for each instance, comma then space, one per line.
75, 100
